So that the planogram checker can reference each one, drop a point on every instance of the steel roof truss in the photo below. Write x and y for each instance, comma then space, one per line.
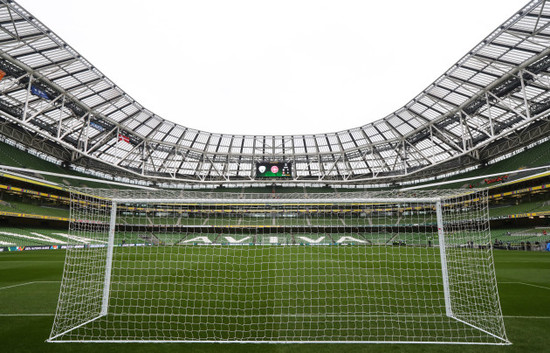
102, 138
500, 102
450, 141
420, 153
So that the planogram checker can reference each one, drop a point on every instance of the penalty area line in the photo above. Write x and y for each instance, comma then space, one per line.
23, 315
526, 317
526, 284
27, 283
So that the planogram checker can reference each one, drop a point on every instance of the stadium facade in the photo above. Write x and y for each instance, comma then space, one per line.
492, 102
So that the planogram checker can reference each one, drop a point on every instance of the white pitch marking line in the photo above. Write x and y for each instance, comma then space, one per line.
27, 283
526, 284
20, 315
525, 317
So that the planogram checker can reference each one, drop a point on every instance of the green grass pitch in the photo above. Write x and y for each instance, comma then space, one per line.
29, 287
268, 293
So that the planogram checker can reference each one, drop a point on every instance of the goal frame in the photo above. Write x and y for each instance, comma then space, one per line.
436, 201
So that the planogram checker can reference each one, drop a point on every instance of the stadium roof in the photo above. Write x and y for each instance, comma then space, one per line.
494, 98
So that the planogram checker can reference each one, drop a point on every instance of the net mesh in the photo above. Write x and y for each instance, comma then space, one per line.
217, 267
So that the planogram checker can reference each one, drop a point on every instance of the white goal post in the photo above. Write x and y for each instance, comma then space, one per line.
358, 267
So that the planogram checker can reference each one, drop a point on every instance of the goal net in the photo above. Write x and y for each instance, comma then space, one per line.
161, 266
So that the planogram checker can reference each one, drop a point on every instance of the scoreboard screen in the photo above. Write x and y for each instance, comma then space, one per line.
273, 170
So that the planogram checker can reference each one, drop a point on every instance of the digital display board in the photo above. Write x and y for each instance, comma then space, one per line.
273, 170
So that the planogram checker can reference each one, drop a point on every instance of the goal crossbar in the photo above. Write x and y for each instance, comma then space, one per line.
283, 201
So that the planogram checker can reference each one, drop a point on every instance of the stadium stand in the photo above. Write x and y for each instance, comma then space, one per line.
347, 161
514, 167
508, 200
37, 168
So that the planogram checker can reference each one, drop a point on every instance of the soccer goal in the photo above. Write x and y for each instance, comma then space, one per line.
395, 267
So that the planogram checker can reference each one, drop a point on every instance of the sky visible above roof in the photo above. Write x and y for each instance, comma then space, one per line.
271, 68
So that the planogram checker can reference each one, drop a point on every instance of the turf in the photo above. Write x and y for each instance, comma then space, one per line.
29, 285
284, 293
